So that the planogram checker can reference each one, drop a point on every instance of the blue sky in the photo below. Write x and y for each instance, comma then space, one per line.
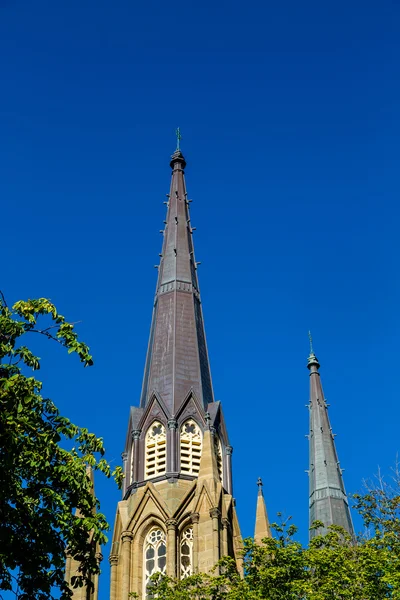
290, 123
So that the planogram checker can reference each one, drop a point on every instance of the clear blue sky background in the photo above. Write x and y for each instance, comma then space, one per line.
290, 120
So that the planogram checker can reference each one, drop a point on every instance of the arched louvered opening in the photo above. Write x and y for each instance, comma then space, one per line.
156, 455
186, 553
191, 441
218, 455
154, 557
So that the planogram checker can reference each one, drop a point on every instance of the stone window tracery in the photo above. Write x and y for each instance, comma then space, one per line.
154, 556
191, 441
186, 553
156, 442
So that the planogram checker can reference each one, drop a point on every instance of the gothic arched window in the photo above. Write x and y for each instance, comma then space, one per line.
156, 443
218, 455
154, 556
191, 442
186, 553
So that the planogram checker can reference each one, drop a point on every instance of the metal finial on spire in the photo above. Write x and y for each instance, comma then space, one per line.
312, 359
311, 344
178, 138
259, 482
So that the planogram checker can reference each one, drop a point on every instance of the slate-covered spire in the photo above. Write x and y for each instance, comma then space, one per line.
262, 528
177, 358
328, 499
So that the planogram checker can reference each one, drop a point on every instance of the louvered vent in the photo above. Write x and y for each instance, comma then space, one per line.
191, 443
155, 450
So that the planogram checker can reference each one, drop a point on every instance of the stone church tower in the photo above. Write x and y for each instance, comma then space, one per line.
177, 515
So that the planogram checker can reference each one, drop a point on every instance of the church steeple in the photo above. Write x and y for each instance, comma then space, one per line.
177, 515
328, 500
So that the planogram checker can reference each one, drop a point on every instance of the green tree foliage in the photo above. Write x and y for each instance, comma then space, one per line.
380, 510
47, 505
333, 567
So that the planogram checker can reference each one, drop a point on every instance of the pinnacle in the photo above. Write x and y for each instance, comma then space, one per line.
262, 528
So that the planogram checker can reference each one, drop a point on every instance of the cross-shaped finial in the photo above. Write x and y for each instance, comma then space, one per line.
178, 138
259, 482
311, 346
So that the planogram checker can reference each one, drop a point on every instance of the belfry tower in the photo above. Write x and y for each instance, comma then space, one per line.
328, 499
177, 515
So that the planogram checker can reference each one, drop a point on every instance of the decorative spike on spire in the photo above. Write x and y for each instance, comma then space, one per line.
177, 358
328, 500
262, 528
311, 345
178, 138
312, 359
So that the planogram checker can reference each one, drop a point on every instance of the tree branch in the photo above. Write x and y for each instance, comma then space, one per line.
46, 333
3, 299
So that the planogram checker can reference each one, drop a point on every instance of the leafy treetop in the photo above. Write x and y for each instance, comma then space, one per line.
47, 504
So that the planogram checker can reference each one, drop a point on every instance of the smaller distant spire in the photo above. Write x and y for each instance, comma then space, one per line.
328, 501
262, 528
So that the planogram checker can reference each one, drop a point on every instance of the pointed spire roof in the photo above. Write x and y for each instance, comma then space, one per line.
328, 499
262, 528
177, 358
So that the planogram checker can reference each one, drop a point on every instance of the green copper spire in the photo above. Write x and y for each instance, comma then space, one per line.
178, 138
311, 346
328, 501
312, 359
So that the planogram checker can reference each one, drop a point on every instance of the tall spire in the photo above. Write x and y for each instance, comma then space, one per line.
177, 502
262, 528
328, 499
177, 357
